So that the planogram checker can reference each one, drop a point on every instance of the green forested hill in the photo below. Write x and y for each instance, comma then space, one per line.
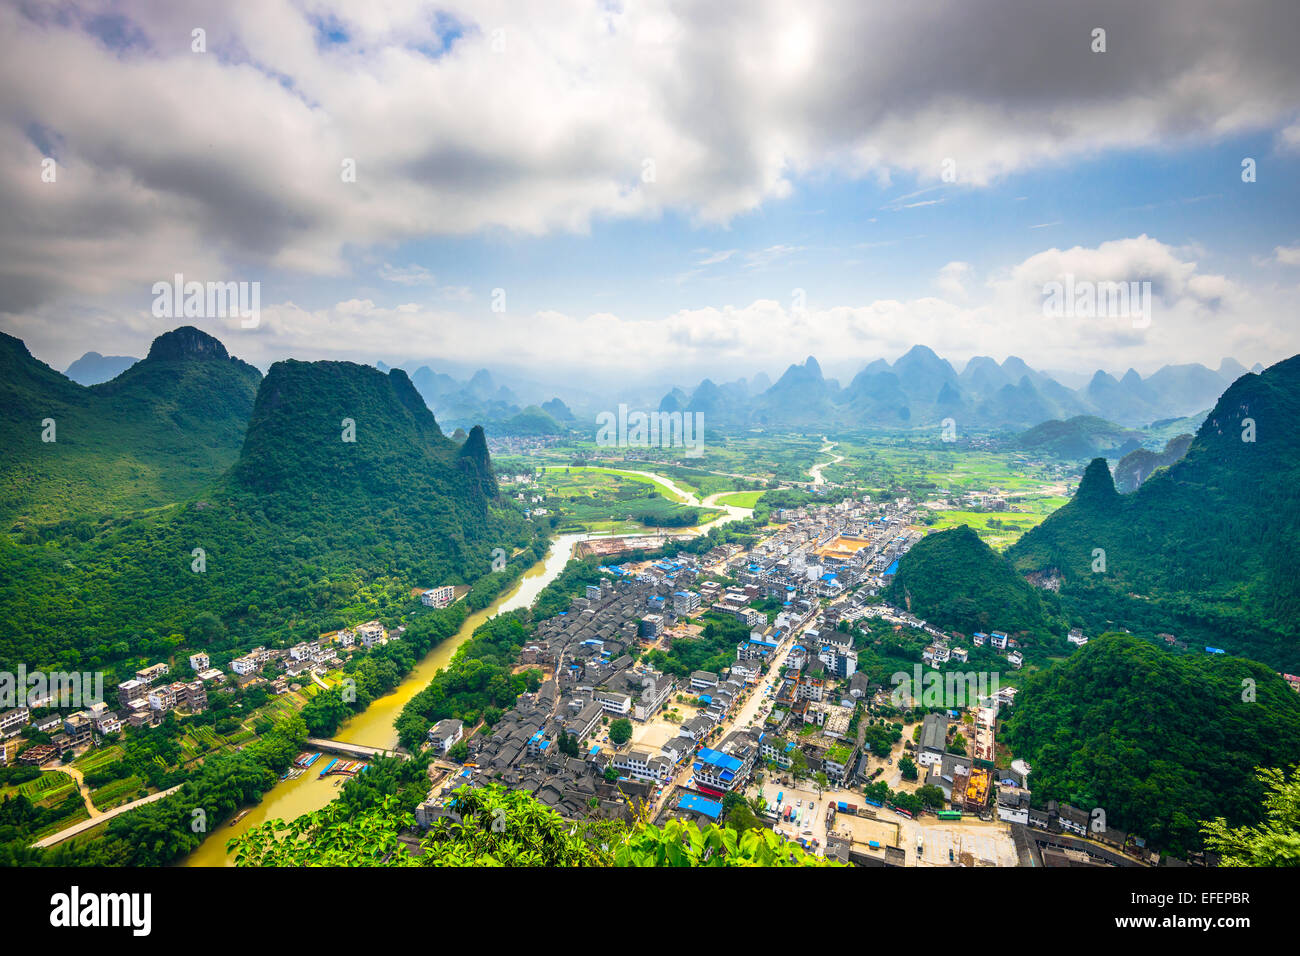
1160, 741
1082, 436
308, 531
1206, 549
954, 580
1138, 465
162, 430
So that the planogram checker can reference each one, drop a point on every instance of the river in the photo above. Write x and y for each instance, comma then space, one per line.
374, 726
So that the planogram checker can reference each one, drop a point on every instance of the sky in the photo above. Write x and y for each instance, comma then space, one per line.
658, 190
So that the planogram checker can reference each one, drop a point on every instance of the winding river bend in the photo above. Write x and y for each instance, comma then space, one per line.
374, 726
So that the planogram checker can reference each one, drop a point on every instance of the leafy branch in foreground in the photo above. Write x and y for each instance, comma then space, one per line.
1274, 842
492, 826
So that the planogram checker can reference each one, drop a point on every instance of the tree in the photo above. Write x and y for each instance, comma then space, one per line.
908, 767
459, 752
799, 764
931, 796
1274, 842
620, 731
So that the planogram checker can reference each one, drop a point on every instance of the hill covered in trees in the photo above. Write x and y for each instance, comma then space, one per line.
1206, 548
163, 429
344, 497
954, 580
1083, 436
1140, 464
1160, 741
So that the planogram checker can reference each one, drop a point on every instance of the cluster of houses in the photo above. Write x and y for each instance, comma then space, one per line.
145, 699
824, 550
301, 660
594, 680
817, 696
968, 780
142, 700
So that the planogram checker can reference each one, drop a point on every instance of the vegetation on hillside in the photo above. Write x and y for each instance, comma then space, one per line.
310, 531
159, 432
1158, 740
491, 826
954, 580
1206, 548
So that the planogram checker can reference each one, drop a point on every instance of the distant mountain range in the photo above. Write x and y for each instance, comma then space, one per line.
922, 389
480, 400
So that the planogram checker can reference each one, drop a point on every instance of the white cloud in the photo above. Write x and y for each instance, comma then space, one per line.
952, 278
407, 275
227, 163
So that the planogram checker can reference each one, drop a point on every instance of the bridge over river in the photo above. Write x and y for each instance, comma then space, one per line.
352, 750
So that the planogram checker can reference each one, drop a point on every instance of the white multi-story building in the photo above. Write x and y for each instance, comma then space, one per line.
614, 703
13, 721
371, 633
438, 597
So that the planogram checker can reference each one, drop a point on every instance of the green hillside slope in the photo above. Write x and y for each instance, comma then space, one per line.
954, 580
1159, 741
1206, 548
162, 430
306, 532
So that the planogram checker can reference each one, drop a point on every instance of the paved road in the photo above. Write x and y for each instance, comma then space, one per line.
85, 825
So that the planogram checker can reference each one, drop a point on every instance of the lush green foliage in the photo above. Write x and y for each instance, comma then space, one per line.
1159, 740
954, 580
162, 832
307, 533
1206, 548
491, 826
161, 431
1276, 841
714, 650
